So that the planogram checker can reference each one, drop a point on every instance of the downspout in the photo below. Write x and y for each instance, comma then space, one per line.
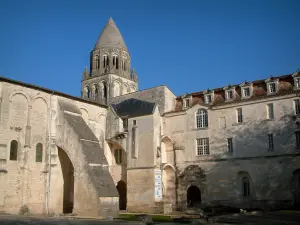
176, 178
48, 181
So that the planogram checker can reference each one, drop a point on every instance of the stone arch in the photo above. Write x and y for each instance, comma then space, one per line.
193, 196
166, 150
116, 88
19, 105
39, 120
84, 114
87, 91
122, 190
169, 186
296, 188
67, 171
104, 90
95, 91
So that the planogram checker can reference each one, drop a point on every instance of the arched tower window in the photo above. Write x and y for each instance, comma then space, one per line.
116, 61
87, 92
202, 118
105, 61
96, 91
246, 186
97, 59
39, 152
13, 150
124, 65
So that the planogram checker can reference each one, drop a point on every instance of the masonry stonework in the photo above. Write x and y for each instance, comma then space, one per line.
98, 154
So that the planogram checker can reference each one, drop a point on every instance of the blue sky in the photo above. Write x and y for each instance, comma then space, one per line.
188, 45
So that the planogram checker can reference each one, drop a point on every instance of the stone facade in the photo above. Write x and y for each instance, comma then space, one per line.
117, 148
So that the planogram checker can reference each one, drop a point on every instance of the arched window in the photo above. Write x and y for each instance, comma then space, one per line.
124, 65
13, 150
39, 152
97, 62
88, 92
246, 186
116, 61
96, 91
105, 61
202, 118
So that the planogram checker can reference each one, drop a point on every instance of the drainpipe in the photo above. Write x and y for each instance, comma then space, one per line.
48, 181
176, 179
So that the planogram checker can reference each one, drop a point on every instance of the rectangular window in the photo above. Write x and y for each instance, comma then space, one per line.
186, 103
270, 142
272, 88
118, 156
297, 133
270, 111
208, 99
229, 95
239, 113
125, 124
202, 146
230, 145
134, 122
246, 92
297, 81
297, 106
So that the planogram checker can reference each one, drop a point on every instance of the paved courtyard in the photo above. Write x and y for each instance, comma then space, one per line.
266, 219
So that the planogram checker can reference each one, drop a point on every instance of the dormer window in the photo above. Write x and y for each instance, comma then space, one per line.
186, 103
297, 80
246, 89
208, 99
272, 88
271, 85
208, 96
246, 92
229, 95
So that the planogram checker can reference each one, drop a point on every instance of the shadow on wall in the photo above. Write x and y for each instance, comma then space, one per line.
258, 173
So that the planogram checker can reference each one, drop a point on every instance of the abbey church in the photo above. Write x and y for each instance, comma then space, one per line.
148, 151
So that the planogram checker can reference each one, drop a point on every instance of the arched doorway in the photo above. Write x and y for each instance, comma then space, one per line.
68, 181
296, 189
193, 196
122, 189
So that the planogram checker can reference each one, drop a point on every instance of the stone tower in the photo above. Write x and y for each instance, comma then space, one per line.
110, 74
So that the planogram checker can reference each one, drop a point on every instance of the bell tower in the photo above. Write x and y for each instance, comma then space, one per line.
110, 73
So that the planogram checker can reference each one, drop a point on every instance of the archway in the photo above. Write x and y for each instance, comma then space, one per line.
169, 188
68, 181
296, 189
166, 149
122, 189
193, 196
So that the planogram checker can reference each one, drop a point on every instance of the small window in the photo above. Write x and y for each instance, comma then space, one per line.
229, 95
229, 145
105, 61
13, 150
272, 88
246, 92
270, 111
118, 156
239, 113
202, 146
208, 99
134, 122
202, 118
270, 142
297, 106
125, 124
187, 103
39, 153
246, 186
297, 133
297, 83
